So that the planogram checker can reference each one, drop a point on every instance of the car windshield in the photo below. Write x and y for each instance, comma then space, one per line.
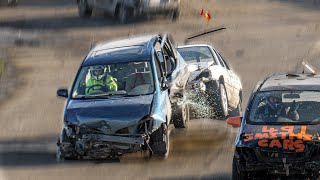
109, 80
196, 54
285, 107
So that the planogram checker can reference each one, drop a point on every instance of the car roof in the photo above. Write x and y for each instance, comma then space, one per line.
294, 81
118, 51
193, 45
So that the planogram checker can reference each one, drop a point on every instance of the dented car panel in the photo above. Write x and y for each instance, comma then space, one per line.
101, 125
280, 145
116, 113
206, 62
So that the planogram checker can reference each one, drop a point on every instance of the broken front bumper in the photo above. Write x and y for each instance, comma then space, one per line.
138, 140
288, 168
95, 146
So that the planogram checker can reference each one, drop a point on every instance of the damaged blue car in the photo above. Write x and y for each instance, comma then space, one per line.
122, 100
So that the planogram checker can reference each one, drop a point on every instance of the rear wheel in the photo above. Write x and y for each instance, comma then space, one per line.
13, 3
84, 10
160, 142
181, 116
123, 14
221, 107
175, 15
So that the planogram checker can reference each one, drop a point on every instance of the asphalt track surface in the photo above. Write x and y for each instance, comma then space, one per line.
43, 43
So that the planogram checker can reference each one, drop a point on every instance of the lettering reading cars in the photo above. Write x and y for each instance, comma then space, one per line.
285, 138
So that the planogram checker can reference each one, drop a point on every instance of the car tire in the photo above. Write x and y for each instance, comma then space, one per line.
13, 3
123, 15
221, 106
175, 15
237, 112
84, 10
236, 173
181, 116
160, 142
59, 154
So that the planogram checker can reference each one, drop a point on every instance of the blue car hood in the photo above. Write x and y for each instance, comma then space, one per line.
116, 113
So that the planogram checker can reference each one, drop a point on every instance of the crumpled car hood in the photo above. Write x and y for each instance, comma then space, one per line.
196, 68
114, 113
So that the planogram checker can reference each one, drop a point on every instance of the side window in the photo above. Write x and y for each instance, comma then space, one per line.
160, 55
170, 61
158, 68
219, 59
225, 63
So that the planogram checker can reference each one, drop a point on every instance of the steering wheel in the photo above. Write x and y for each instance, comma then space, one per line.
101, 88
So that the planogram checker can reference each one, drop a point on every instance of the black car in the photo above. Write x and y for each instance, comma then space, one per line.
279, 135
133, 111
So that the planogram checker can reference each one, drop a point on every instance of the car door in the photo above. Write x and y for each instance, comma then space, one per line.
233, 81
176, 68
227, 79
165, 103
236, 83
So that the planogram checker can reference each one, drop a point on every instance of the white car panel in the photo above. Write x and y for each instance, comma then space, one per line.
231, 80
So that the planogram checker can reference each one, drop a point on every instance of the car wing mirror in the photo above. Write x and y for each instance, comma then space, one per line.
234, 121
62, 93
172, 66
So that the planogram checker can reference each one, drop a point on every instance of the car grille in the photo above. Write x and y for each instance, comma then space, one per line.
269, 155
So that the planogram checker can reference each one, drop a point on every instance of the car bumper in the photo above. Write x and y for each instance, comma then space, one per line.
281, 169
138, 140
96, 146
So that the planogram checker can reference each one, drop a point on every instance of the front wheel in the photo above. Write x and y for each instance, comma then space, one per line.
175, 15
181, 116
236, 173
221, 107
84, 10
60, 155
160, 142
123, 15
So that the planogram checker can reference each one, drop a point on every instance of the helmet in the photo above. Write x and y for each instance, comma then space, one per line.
98, 72
273, 102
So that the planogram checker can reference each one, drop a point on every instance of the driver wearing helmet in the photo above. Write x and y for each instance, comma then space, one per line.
273, 109
100, 80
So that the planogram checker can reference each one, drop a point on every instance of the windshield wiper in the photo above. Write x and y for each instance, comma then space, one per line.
108, 95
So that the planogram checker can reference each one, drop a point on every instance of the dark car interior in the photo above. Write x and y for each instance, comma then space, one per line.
133, 77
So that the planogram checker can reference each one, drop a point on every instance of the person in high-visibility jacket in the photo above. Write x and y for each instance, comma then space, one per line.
100, 80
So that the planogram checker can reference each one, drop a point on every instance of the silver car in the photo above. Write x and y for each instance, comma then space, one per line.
123, 9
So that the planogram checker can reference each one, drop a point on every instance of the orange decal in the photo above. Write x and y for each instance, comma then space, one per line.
271, 130
275, 142
263, 143
288, 129
284, 135
261, 136
288, 144
249, 137
299, 145
290, 140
